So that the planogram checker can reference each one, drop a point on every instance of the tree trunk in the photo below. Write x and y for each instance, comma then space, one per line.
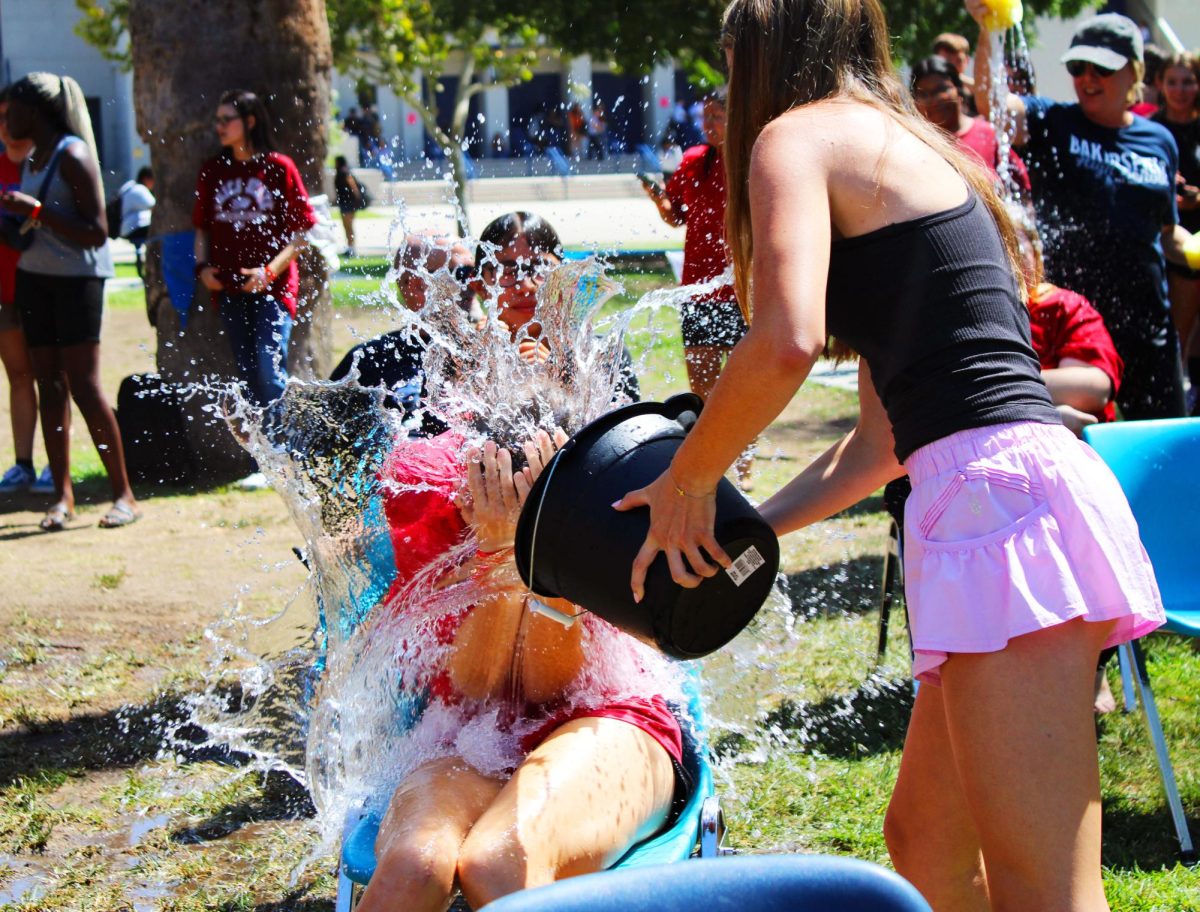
186, 53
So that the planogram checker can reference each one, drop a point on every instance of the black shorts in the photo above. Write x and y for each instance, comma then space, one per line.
57, 311
712, 323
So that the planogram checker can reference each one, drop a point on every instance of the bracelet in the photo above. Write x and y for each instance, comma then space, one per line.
35, 213
269, 276
682, 493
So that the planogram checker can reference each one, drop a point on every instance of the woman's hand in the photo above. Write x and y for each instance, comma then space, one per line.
681, 524
497, 493
258, 279
208, 278
979, 11
1074, 420
18, 203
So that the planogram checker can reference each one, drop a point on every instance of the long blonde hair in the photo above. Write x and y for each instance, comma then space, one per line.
790, 53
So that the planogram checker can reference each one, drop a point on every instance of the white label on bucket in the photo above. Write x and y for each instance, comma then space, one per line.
744, 566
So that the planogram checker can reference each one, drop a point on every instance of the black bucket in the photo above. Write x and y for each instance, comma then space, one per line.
572, 544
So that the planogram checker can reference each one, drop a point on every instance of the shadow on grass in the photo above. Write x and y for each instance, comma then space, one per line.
121, 738
90, 489
281, 798
1141, 839
848, 587
296, 901
872, 719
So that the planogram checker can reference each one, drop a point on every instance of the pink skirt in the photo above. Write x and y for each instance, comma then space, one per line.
1013, 528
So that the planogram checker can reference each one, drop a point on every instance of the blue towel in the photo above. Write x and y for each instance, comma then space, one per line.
179, 271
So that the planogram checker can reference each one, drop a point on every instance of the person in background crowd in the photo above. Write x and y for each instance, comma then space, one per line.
938, 92
597, 132
22, 392
1179, 95
137, 205
576, 130
695, 196
1089, 200
251, 216
60, 283
956, 50
350, 196
1154, 58
393, 361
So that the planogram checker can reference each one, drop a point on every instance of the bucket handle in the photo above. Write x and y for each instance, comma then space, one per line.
565, 619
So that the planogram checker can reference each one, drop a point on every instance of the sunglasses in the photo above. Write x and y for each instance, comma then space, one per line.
512, 273
222, 119
1077, 68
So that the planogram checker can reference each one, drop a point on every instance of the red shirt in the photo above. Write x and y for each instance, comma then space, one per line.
1143, 109
697, 192
251, 211
980, 140
1065, 325
10, 179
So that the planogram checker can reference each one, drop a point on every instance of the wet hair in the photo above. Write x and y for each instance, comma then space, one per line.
144, 173
1026, 226
790, 53
935, 66
502, 231
541, 404
247, 104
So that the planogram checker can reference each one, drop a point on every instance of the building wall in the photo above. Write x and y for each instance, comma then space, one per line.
35, 38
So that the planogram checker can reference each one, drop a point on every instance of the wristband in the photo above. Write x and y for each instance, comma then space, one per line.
269, 276
35, 214
1191, 252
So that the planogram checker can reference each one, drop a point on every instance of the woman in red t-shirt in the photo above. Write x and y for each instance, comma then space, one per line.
251, 215
695, 196
938, 93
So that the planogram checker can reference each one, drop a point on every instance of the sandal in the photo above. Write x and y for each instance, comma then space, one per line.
56, 518
118, 515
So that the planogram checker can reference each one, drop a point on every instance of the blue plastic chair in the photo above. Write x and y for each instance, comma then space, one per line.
699, 829
763, 883
1158, 466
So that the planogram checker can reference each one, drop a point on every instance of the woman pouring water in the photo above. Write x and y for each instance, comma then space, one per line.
1022, 559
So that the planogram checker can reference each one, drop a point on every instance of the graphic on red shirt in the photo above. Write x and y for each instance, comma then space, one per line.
1064, 325
697, 191
251, 211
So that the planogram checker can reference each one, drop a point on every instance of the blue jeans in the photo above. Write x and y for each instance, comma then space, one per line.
259, 329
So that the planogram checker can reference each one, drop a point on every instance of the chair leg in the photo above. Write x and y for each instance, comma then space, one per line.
346, 899
1150, 707
891, 562
1124, 664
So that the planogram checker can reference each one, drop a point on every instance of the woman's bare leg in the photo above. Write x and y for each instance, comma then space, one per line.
930, 835
82, 365
417, 849
1021, 725
54, 408
348, 227
22, 395
576, 804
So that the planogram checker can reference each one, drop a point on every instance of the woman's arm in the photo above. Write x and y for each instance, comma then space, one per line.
666, 209
854, 467
1078, 384
1180, 246
88, 226
983, 78
792, 234
206, 273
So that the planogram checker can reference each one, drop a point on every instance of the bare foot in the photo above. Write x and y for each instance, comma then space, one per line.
1105, 701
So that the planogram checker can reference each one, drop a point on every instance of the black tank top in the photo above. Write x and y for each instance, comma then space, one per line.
932, 305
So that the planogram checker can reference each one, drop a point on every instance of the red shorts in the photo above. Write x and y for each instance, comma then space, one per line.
651, 715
